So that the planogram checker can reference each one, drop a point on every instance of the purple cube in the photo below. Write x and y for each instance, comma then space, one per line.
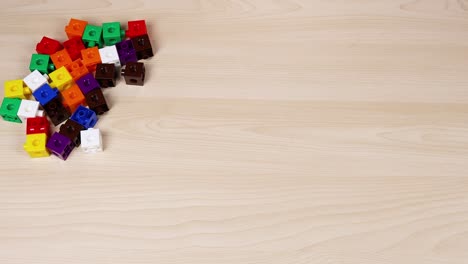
60, 145
87, 83
126, 52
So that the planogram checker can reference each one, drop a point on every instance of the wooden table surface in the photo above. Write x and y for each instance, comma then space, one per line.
268, 131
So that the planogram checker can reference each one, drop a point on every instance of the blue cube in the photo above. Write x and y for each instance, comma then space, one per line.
85, 117
45, 94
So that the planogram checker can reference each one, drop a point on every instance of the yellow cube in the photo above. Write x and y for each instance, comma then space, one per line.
36, 145
61, 79
16, 89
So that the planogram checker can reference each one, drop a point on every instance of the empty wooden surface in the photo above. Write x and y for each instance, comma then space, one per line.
268, 131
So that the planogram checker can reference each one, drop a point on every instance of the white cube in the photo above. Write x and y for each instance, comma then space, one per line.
109, 54
27, 109
34, 80
91, 140
40, 113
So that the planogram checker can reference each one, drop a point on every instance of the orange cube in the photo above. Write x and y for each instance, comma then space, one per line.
75, 28
77, 69
91, 58
72, 98
61, 58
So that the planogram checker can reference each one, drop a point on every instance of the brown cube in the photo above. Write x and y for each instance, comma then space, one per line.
106, 74
56, 112
142, 46
71, 130
96, 101
134, 73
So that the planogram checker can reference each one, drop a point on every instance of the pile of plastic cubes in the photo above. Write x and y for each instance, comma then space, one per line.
67, 81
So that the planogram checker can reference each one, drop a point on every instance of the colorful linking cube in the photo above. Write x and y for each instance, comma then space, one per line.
67, 80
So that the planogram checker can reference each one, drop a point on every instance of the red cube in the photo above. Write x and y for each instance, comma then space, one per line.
48, 46
37, 125
74, 46
136, 28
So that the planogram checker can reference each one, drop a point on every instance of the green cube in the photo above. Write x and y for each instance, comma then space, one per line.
112, 33
42, 63
92, 36
9, 109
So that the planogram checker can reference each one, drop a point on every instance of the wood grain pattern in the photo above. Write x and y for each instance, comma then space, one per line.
269, 131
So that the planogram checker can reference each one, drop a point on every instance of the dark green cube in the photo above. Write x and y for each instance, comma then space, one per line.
9, 110
92, 36
42, 63
112, 33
